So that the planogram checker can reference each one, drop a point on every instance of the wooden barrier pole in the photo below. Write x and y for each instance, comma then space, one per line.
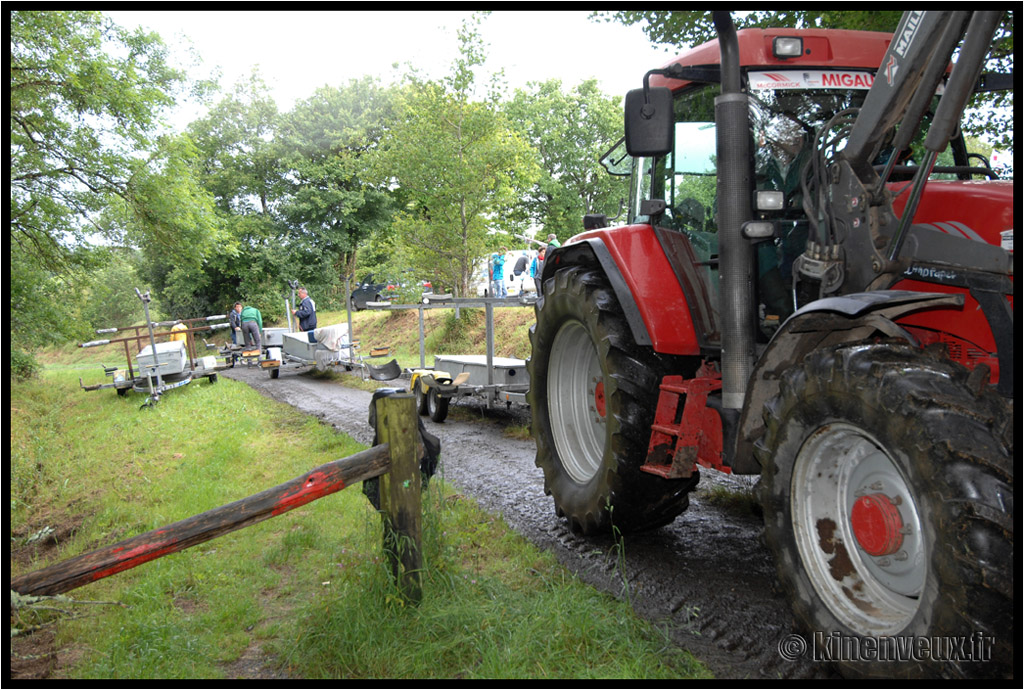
401, 506
100, 563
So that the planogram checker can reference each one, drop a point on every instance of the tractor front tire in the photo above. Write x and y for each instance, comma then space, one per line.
887, 492
593, 394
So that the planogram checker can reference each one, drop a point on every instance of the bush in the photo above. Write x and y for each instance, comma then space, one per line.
23, 365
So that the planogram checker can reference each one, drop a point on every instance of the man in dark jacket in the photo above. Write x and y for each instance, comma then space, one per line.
235, 320
520, 268
306, 313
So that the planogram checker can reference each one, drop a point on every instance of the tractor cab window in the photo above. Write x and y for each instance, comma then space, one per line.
686, 178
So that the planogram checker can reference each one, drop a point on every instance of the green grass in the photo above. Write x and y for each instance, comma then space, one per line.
308, 587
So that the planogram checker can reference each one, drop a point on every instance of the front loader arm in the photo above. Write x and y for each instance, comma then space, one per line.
858, 239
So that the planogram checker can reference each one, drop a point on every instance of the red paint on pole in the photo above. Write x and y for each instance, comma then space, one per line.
317, 486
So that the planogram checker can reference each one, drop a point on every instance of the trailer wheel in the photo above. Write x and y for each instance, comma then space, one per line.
421, 400
122, 391
437, 406
888, 505
212, 378
275, 372
593, 393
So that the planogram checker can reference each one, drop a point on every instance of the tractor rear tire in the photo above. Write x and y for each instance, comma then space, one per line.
593, 394
887, 492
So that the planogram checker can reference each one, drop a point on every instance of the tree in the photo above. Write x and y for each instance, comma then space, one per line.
570, 131
680, 30
460, 167
85, 98
332, 207
240, 165
991, 114
88, 163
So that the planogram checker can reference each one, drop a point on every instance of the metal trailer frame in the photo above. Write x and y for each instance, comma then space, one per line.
352, 361
144, 381
436, 386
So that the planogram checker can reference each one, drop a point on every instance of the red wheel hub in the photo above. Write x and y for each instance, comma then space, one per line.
599, 398
877, 525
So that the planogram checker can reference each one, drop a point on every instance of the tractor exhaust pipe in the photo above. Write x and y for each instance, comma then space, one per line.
734, 204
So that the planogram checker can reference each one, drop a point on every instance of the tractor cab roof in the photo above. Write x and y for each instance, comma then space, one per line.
819, 49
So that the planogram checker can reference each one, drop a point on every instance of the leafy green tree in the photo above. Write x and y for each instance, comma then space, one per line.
461, 168
86, 98
991, 113
570, 131
240, 165
240, 153
44, 307
678, 30
109, 294
332, 206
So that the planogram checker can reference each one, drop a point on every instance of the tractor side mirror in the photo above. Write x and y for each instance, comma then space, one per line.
649, 122
595, 221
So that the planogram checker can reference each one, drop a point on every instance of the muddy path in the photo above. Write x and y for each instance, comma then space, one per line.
707, 577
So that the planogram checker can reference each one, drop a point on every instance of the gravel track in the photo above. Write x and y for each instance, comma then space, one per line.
707, 577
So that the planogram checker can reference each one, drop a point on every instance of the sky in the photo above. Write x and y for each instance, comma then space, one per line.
299, 51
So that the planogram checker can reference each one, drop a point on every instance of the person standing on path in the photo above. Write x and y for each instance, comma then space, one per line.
306, 312
252, 326
537, 268
235, 321
498, 274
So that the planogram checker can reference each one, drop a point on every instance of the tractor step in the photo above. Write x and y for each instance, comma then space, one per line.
686, 432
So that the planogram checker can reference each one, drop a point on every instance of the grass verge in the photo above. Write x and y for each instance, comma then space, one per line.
306, 592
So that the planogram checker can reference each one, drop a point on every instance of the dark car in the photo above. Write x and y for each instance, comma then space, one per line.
372, 289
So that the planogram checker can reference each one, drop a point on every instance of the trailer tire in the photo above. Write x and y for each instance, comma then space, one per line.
593, 394
275, 372
437, 406
867, 431
212, 378
421, 400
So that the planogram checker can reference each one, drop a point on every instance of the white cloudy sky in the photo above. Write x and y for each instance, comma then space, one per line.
300, 51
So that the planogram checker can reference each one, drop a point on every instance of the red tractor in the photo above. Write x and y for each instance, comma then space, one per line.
812, 286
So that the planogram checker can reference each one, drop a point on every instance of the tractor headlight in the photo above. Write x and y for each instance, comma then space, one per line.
787, 47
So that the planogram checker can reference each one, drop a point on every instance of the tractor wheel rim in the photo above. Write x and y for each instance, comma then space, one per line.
574, 381
870, 575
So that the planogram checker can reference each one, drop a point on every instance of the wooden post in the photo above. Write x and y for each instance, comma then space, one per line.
319, 482
401, 506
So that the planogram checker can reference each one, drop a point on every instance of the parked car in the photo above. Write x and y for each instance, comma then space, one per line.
372, 289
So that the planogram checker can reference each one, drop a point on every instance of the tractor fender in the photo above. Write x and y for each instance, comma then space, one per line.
591, 250
644, 268
824, 323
